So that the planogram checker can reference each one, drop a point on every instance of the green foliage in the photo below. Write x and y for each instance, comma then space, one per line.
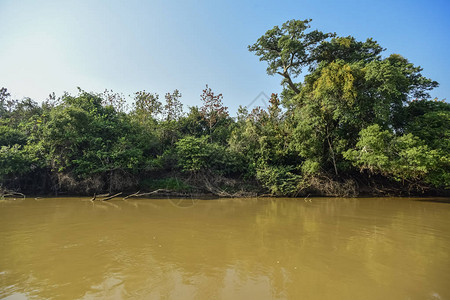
279, 180
5, 97
147, 106
433, 128
193, 153
404, 157
288, 49
350, 90
310, 167
13, 162
173, 109
114, 100
199, 155
347, 49
194, 123
245, 140
215, 114
10, 136
339, 99
85, 138
430, 120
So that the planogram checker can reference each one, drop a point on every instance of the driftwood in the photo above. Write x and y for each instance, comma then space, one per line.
148, 194
8, 193
108, 197
113, 196
132, 195
94, 197
154, 192
104, 195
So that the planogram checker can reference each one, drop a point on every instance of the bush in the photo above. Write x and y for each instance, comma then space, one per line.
279, 180
404, 157
199, 155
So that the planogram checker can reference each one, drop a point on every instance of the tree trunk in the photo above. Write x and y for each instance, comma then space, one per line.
291, 84
332, 152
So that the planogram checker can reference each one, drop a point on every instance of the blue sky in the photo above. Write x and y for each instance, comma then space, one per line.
54, 46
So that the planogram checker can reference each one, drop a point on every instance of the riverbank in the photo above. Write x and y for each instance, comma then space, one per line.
214, 186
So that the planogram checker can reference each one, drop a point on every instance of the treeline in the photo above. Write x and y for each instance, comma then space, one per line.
358, 123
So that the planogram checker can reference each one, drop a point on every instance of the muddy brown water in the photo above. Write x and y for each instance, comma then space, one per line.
320, 248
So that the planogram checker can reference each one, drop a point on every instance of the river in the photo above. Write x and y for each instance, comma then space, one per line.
315, 248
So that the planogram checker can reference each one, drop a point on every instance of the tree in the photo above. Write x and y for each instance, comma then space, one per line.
198, 155
85, 140
193, 123
262, 139
146, 106
173, 109
14, 162
347, 49
288, 49
404, 157
115, 100
212, 109
172, 112
430, 121
4, 98
339, 99
10, 136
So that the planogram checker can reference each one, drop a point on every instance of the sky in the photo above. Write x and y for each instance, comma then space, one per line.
126, 46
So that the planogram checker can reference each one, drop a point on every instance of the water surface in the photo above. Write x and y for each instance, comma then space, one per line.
320, 248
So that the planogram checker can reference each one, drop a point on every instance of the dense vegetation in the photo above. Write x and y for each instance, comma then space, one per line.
358, 122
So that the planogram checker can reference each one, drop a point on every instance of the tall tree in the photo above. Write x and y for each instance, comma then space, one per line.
4, 98
146, 105
172, 113
288, 49
173, 109
115, 100
212, 109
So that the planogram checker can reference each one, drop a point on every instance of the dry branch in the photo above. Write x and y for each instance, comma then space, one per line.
154, 192
8, 193
158, 191
104, 195
132, 195
216, 190
113, 196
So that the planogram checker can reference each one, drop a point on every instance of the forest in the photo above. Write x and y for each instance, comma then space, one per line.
358, 123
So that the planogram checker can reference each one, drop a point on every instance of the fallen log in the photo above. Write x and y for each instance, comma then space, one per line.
104, 195
154, 192
132, 195
149, 193
113, 196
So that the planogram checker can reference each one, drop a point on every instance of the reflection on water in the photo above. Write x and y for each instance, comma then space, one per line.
225, 249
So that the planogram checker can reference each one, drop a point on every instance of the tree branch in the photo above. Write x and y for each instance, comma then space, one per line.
291, 84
